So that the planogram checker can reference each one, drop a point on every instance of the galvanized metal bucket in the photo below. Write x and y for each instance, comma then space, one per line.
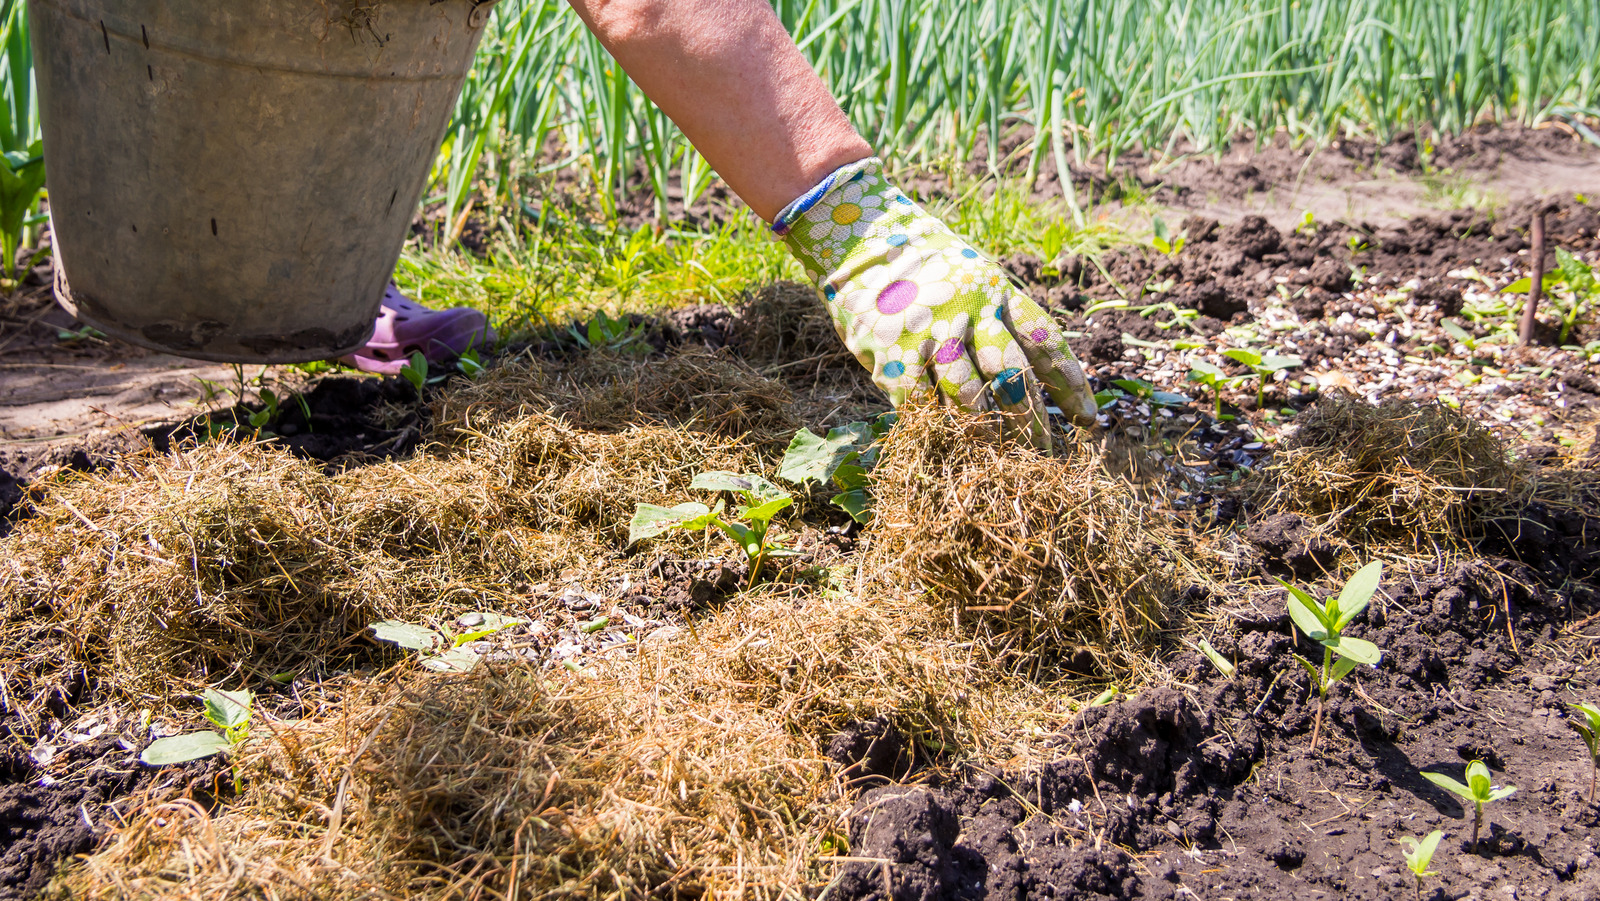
234, 180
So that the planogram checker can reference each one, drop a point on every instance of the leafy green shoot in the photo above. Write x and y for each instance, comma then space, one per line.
1263, 366
269, 409
1478, 791
445, 652
1580, 288
1421, 855
1163, 239
229, 711
619, 335
1325, 624
844, 457
416, 371
1223, 664
1144, 391
1212, 377
748, 523
1589, 729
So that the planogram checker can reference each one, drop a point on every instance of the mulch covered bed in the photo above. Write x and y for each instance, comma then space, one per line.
838, 731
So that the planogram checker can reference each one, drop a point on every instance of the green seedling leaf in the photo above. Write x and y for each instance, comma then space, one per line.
1103, 399
184, 748
755, 487
455, 660
1579, 277
1358, 649
596, 624
1341, 667
1201, 371
1247, 357
1421, 853
407, 635
1456, 331
1449, 785
810, 458
1104, 698
1590, 728
856, 502
1169, 399
228, 709
1358, 592
766, 511
416, 371
1311, 668
650, 520
1308, 617
1277, 362
1223, 664
1524, 285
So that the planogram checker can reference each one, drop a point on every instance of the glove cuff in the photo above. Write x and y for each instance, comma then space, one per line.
790, 214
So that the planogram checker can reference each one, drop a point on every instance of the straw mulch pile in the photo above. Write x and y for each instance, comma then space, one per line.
690, 765
1053, 560
1420, 475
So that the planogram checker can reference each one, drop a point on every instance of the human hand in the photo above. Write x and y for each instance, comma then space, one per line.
924, 312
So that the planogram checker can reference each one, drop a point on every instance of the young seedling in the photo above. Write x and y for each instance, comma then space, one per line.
843, 457
748, 524
1163, 239
416, 371
444, 652
1421, 855
229, 711
1589, 729
1214, 378
605, 333
268, 412
1144, 391
1581, 288
1263, 367
1325, 623
1478, 791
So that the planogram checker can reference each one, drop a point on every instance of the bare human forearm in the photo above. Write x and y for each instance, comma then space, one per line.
732, 79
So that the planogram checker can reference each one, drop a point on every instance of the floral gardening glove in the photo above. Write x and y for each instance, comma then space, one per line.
923, 311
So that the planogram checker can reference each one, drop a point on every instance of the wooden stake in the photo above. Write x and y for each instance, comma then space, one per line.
1536, 286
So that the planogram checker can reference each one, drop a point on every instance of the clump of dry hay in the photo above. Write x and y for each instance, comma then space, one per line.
693, 389
179, 569
786, 325
1421, 474
692, 768
1050, 558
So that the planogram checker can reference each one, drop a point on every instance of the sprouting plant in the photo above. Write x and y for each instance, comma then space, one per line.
1589, 729
227, 710
1164, 240
268, 411
21, 180
605, 333
1223, 664
1421, 855
1263, 367
1581, 288
1143, 390
470, 364
1478, 791
1212, 377
416, 371
1325, 623
843, 457
747, 524
79, 335
445, 652
1308, 224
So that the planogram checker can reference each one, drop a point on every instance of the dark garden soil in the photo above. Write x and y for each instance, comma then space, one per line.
1206, 789
1210, 788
